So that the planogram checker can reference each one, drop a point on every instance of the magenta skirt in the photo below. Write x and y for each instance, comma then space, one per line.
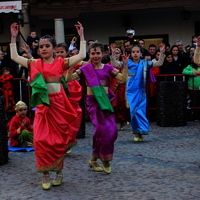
105, 130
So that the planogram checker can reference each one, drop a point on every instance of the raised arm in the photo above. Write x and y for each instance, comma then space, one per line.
72, 43
113, 60
197, 52
14, 29
27, 49
82, 53
123, 76
161, 57
71, 76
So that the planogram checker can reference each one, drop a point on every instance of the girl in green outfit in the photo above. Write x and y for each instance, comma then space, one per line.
193, 70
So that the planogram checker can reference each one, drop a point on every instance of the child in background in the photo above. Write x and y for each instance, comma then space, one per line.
7, 87
118, 87
32, 38
135, 90
20, 130
75, 94
193, 70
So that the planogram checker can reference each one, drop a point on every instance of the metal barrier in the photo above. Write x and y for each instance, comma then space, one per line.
164, 77
18, 85
3, 131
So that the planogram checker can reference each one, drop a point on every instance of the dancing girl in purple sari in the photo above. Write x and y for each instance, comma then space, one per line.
98, 101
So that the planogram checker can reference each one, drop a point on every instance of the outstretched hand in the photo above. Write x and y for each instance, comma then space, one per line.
113, 48
14, 29
26, 48
79, 29
73, 40
162, 47
125, 56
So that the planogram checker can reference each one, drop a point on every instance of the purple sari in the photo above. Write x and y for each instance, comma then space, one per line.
105, 128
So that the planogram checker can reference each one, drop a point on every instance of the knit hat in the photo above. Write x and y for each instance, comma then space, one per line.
20, 104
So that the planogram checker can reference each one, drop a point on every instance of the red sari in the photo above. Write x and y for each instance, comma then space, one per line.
119, 103
152, 86
52, 134
75, 94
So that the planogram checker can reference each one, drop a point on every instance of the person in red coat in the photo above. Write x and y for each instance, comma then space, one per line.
7, 88
19, 127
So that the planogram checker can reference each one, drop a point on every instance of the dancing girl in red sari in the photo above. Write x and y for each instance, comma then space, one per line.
54, 113
119, 88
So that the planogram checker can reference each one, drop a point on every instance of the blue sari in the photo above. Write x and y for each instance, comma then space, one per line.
136, 95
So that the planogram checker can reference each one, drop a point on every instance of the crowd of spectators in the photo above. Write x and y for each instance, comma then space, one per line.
177, 60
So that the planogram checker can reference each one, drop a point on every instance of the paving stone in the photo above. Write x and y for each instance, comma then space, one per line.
164, 167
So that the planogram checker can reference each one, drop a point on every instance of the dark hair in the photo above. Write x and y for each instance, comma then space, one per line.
158, 50
141, 40
88, 42
105, 47
50, 38
3, 70
194, 36
137, 47
71, 52
131, 42
192, 46
95, 45
187, 46
168, 53
112, 42
64, 45
127, 41
167, 45
173, 47
194, 65
152, 45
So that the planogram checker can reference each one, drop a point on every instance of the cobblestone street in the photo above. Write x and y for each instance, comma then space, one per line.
164, 167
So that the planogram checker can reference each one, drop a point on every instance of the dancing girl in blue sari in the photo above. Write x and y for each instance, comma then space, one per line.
136, 90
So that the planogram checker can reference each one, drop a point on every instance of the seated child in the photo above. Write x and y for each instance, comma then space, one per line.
20, 130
